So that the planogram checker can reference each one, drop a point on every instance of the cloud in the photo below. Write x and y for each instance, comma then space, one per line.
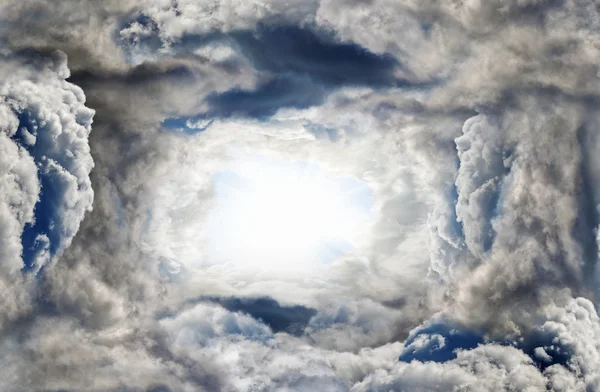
292, 319
472, 124
491, 366
46, 164
482, 369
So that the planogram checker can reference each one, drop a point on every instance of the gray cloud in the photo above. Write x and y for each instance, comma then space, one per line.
473, 124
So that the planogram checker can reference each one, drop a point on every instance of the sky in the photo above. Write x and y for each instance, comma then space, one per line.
299, 195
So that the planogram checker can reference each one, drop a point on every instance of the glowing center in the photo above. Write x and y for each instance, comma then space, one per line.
276, 214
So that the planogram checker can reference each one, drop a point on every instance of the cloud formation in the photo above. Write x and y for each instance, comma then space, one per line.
46, 165
472, 124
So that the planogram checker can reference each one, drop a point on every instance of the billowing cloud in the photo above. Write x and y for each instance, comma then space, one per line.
46, 165
311, 195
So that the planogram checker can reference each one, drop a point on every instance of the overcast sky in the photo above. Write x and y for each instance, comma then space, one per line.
299, 195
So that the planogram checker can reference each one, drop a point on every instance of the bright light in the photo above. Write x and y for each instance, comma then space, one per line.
285, 215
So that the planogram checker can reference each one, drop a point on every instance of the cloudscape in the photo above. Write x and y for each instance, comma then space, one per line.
299, 195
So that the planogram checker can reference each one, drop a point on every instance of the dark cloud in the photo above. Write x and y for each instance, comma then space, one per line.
473, 123
284, 50
300, 66
289, 319
266, 99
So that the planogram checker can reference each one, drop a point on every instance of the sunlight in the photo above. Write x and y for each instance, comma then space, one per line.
285, 215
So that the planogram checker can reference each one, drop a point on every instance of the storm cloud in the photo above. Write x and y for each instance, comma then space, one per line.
299, 195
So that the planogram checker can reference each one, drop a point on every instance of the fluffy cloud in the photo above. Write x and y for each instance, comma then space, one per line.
493, 367
472, 125
46, 163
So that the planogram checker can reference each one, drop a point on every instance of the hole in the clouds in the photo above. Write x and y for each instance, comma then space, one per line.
456, 224
187, 125
283, 215
40, 239
289, 319
438, 343
545, 349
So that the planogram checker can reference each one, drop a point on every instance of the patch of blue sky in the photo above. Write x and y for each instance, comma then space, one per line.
504, 184
45, 209
439, 342
457, 226
186, 125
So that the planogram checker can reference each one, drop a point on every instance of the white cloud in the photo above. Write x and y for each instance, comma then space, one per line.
56, 140
56, 147
480, 158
